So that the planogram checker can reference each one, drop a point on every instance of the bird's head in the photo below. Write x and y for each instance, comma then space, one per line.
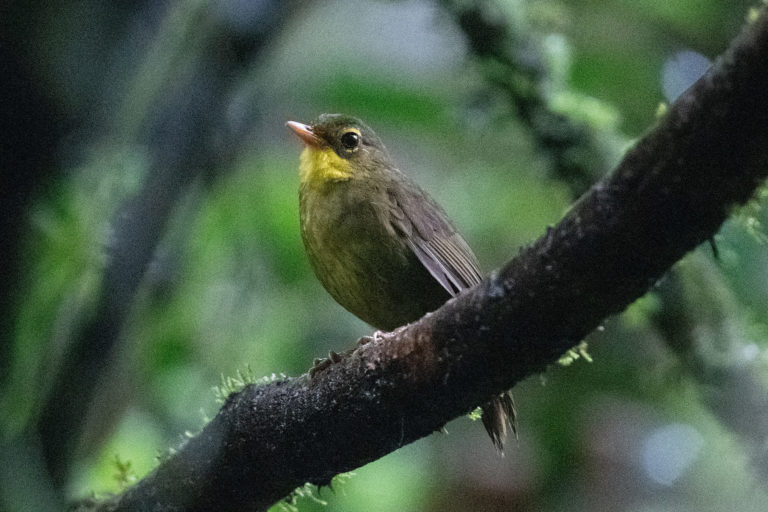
338, 148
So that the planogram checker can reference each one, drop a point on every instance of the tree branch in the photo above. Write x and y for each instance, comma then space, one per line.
577, 158
671, 192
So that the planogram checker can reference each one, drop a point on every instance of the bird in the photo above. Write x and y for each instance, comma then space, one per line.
381, 246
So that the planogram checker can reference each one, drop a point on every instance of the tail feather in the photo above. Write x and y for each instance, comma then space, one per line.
498, 414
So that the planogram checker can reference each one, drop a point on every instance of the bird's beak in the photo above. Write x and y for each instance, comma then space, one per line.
304, 132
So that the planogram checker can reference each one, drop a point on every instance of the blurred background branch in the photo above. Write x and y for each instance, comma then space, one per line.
32, 126
701, 323
175, 110
512, 58
182, 128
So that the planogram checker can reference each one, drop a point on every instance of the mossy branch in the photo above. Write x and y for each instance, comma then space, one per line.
578, 153
671, 192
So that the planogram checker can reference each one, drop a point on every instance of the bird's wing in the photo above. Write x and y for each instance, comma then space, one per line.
434, 241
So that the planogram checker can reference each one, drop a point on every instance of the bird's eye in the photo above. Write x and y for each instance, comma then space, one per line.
350, 140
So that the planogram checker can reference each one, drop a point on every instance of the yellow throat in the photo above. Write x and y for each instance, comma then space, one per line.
319, 165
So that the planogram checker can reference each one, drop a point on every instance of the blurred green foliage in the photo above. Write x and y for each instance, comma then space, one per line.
230, 287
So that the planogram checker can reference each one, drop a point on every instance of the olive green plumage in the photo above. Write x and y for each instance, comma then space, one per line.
380, 245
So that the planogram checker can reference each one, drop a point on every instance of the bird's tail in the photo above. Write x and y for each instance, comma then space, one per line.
498, 415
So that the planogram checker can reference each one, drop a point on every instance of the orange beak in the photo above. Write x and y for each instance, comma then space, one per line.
304, 132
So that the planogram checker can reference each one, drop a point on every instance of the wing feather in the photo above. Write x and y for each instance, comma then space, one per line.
449, 259
434, 240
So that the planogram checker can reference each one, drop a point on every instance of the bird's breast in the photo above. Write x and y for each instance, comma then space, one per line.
359, 257
348, 231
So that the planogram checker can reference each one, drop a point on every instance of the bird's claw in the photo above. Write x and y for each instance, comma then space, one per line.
320, 364
376, 336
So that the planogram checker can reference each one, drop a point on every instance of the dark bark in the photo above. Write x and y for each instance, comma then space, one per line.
671, 192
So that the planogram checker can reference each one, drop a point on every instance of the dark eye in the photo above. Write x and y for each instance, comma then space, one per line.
350, 140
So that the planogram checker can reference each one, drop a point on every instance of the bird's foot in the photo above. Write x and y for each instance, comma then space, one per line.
320, 364
380, 335
376, 336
